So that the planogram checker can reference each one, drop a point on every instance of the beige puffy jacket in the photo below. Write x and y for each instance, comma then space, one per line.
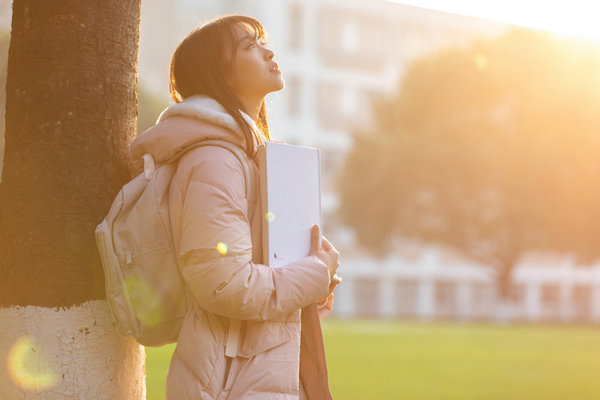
207, 207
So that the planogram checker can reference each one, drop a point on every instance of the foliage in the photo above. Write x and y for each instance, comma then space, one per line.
491, 150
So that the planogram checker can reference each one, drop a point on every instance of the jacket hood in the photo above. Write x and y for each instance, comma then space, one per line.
182, 124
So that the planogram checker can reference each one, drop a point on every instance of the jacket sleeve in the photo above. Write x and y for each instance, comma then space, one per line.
216, 250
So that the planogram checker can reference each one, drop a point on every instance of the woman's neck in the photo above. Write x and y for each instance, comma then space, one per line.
252, 107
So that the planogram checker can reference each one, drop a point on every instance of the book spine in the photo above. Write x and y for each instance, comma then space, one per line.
262, 168
320, 189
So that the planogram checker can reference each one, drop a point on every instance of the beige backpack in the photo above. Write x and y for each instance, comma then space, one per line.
144, 288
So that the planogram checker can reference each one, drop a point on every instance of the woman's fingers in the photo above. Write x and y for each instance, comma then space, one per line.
325, 308
318, 242
326, 244
324, 250
336, 280
333, 284
327, 247
315, 239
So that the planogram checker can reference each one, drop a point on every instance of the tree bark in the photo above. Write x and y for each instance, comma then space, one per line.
70, 115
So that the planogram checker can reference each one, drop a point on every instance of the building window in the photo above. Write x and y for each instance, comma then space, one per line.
445, 298
406, 298
350, 102
341, 106
295, 26
327, 100
293, 91
366, 293
581, 299
414, 38
550, 297
350, 35
350, 40
483, 299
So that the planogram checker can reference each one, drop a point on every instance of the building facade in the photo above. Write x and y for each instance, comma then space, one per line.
431, 285
337, 58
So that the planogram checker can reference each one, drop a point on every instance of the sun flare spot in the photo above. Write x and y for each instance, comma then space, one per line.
481, 61
222, 248
270, 216
144, 300
27, 366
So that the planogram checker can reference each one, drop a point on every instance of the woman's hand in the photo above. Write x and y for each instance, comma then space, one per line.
324, 250
325, 306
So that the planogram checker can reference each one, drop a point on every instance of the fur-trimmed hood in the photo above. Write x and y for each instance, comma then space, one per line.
182, 124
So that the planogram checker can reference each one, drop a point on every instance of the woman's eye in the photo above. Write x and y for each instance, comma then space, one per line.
262, 43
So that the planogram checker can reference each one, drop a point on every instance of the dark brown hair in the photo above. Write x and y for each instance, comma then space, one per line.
198, 67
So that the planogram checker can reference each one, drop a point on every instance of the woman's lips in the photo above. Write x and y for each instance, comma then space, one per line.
274, 68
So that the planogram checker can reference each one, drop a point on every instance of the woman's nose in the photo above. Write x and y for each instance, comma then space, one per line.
269, 54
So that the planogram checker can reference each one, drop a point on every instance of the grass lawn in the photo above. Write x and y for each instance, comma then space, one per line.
439, 361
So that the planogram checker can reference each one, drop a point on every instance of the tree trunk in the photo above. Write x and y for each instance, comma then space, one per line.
4, 41
70, 115
505, 307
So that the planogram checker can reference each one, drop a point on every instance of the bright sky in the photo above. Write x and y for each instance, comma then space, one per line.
573, 17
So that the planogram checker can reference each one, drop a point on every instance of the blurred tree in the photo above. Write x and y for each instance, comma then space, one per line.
70, 115
492, 150
150, 106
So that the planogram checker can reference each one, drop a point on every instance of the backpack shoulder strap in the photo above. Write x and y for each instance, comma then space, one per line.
241, 155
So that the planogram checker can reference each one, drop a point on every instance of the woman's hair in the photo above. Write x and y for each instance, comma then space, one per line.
199, 65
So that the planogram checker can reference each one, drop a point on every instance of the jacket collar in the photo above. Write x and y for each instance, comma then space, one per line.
182, 124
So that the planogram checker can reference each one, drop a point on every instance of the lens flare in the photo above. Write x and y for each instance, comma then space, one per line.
481, 61
145, 302
27, 367
222, 248
270, 216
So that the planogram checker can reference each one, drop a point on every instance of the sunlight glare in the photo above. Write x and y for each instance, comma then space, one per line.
270, 216
480, 60
572, 18
26, 366
146, 303
222, 248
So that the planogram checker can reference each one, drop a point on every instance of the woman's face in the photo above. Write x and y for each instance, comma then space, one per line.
254, 73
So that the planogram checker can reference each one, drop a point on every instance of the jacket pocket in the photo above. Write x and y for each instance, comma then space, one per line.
261, 336
200, 348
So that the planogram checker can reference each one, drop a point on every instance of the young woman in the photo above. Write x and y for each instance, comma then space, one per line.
219, 76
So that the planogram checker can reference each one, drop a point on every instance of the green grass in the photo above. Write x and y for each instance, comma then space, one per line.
411, 360
157, 365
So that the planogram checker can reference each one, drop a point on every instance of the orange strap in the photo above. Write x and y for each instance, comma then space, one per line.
313, 366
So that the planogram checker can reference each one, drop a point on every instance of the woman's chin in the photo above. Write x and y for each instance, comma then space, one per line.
278, 86
281, 82
281, 86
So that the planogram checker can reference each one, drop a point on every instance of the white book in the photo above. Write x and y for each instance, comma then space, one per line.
290, 188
